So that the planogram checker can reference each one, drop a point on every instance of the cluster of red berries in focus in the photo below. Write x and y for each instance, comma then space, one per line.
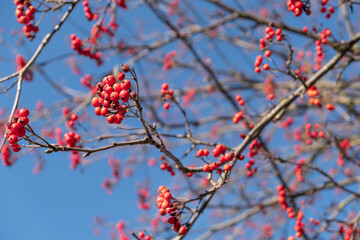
88, 13
20, 63
110, 91
27, 17
166, 94
16, 129
298, 6
330, 9
166, 205
77, 45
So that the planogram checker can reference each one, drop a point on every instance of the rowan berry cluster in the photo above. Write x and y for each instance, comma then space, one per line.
88, 13
142, 236
299, 226
240, 100
71, 139
323, 9
26, 18
282, 201
71, 120
298, 6
16, 129
167, 205
110, 91
20, 63
169, 60
320, 55
250, 170
86, 81
219, 152
298, 170
166, 93
164, 166
238, 116
77, 45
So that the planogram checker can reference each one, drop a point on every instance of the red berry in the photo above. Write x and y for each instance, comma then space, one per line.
124, 95
121, 76
13, 139
126, 84
24, 112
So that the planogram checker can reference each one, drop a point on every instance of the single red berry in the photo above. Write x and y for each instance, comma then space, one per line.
124, 95
24, 112
13, 139
166, 106
126, 84
120, 76
125, 68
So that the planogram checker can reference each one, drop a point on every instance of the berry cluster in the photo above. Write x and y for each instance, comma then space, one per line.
240, 100
166, 94
167, 204
299, 226
270, 34
16, 129
77, 45
97, 31
20, 63
298, 170
71, 120
298, 6
71, 139
88, 13
237, 117
309, 133
143, 195
142, 236
330, 9
282, 201
109, 92
319, 51
27, 17
219, 152
164, 166
169, 60
86, 81
248, 166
